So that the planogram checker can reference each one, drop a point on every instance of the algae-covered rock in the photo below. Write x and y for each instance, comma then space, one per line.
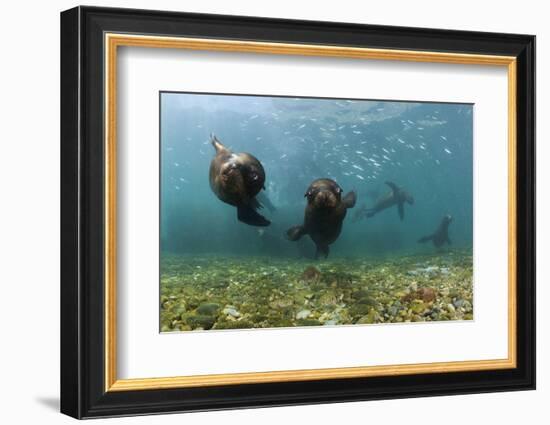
200, 321
358, 310
418, 306
308, 322
371, 317
237, 324
208, 309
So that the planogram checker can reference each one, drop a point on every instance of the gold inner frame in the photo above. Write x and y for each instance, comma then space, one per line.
113, 41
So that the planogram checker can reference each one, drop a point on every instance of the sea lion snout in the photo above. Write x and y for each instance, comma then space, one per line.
325, 199
324, 193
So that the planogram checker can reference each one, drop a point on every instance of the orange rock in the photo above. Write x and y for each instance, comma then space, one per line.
311, 273
425, 294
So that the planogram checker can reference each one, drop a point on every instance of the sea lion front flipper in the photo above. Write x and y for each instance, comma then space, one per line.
247, 214
425, 239
322, 250
449, 241
393, 187
255, 204
295, 233
401, 210
350, 199
370, 212
360, 213
264, 200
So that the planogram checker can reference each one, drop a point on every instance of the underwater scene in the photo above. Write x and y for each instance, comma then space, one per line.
292, 211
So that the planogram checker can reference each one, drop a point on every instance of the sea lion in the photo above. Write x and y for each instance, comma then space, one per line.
236, 179
397, 196
441, 235
324, 214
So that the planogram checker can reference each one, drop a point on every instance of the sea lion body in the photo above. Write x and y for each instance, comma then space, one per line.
397, 196
441, 235
324, 214
236, 179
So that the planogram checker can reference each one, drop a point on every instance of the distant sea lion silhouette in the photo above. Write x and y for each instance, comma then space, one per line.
397, 196
236, 179
324, 214
441, 235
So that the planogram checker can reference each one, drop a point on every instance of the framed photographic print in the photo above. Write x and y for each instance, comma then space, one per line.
261, 212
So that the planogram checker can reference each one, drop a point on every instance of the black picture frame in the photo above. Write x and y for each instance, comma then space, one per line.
83, 392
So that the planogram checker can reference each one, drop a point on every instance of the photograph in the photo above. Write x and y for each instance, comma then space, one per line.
287, 210
282, 212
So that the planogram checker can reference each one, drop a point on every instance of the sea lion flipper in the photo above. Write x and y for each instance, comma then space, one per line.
360, 213
350, 199
425, 239
401, 210
217, 144
255, 204
449, 241
264, 200
247, 214
370, 212
393, 187
322, 250
295, 233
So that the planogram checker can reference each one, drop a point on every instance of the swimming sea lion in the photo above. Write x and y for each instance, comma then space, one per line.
325, 212
441, 235
236, 179
398, 196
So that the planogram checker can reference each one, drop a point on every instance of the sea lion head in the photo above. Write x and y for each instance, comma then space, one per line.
324, 194
253, 173
448, 218
231, 179
241, 175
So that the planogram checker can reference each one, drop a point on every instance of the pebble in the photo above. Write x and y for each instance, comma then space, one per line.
303, 314
231, 311
458, 303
